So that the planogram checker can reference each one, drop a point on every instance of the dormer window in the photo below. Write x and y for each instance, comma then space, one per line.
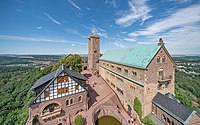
163, 59
158, 59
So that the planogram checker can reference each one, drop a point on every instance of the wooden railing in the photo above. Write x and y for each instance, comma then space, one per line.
46, 115
165, 78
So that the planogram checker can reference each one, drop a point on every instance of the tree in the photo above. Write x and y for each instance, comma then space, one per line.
79, 120
138, 107
72, 61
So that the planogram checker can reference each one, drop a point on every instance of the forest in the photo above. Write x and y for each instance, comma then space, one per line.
16, 81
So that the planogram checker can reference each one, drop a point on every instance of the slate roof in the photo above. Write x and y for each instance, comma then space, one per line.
136, 57
174, 108
75, 75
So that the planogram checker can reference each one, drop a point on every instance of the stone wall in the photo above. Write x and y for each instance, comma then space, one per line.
93, 52
163, 116
151, 81
67, 111
195, 120
130, 90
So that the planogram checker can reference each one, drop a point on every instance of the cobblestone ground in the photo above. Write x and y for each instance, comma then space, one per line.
101, 93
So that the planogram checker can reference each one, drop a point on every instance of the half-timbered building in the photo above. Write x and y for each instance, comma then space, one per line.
59, 96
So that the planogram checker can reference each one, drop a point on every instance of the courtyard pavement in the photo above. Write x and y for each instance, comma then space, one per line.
100, 93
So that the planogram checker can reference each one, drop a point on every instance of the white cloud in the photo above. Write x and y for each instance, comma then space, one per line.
119, 45
180, 1
39, 27
73, 4
130, 39
98, 31
88, 8
73, 44
38, 39
112, 3
184, 37
52, 19
146, 43
75, 32
179, 18
139, 10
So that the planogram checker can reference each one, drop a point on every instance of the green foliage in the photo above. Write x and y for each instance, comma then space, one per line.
187, 89
73, 62
15, 94
79, 120
184, 98
138, 107
148, 121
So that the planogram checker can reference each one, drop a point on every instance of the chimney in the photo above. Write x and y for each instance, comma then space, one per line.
161, 43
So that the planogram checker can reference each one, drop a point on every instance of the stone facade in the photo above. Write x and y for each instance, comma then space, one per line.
168, 119
130, 82
152, 84
93, 52
63, 112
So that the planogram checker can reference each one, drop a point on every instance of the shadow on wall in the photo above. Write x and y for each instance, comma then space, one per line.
92, 94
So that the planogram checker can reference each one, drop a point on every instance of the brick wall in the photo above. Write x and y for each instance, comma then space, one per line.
66, 110
151, 81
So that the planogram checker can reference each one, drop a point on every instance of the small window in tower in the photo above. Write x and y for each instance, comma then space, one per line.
163, 59
95, 50
158, 59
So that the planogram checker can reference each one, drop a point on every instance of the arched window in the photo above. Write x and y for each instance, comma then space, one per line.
80, 98
163, 59
50, 108
168, 121
67, 102
158, 59
163, 117
161, 74
71, 101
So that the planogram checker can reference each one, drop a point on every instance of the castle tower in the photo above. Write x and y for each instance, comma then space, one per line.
93, 52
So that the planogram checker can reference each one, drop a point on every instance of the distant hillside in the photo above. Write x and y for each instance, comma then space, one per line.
187, 81
16, 81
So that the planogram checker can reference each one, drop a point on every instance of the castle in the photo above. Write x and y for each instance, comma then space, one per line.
145, 72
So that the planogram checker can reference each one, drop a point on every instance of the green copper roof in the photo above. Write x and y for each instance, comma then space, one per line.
136, 57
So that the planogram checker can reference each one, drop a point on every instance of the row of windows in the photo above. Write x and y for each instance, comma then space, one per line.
161, 86
166, 119
56, 90
71, 101
119, 69
159, 59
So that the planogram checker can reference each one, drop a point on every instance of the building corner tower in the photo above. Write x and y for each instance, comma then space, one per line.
93, 53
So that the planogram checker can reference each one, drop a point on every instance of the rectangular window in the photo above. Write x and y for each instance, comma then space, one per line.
76, 87
46, 94
120, 90
62, 79
125, 72
59, 91
119, 69
134, 73
107, 64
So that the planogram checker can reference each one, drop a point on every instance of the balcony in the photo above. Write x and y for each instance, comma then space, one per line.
164, 79
48, 114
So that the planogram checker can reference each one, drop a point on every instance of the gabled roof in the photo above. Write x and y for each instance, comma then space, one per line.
173, 107
47, 78
138, 57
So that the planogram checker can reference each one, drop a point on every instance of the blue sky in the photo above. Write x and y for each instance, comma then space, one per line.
63, 26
